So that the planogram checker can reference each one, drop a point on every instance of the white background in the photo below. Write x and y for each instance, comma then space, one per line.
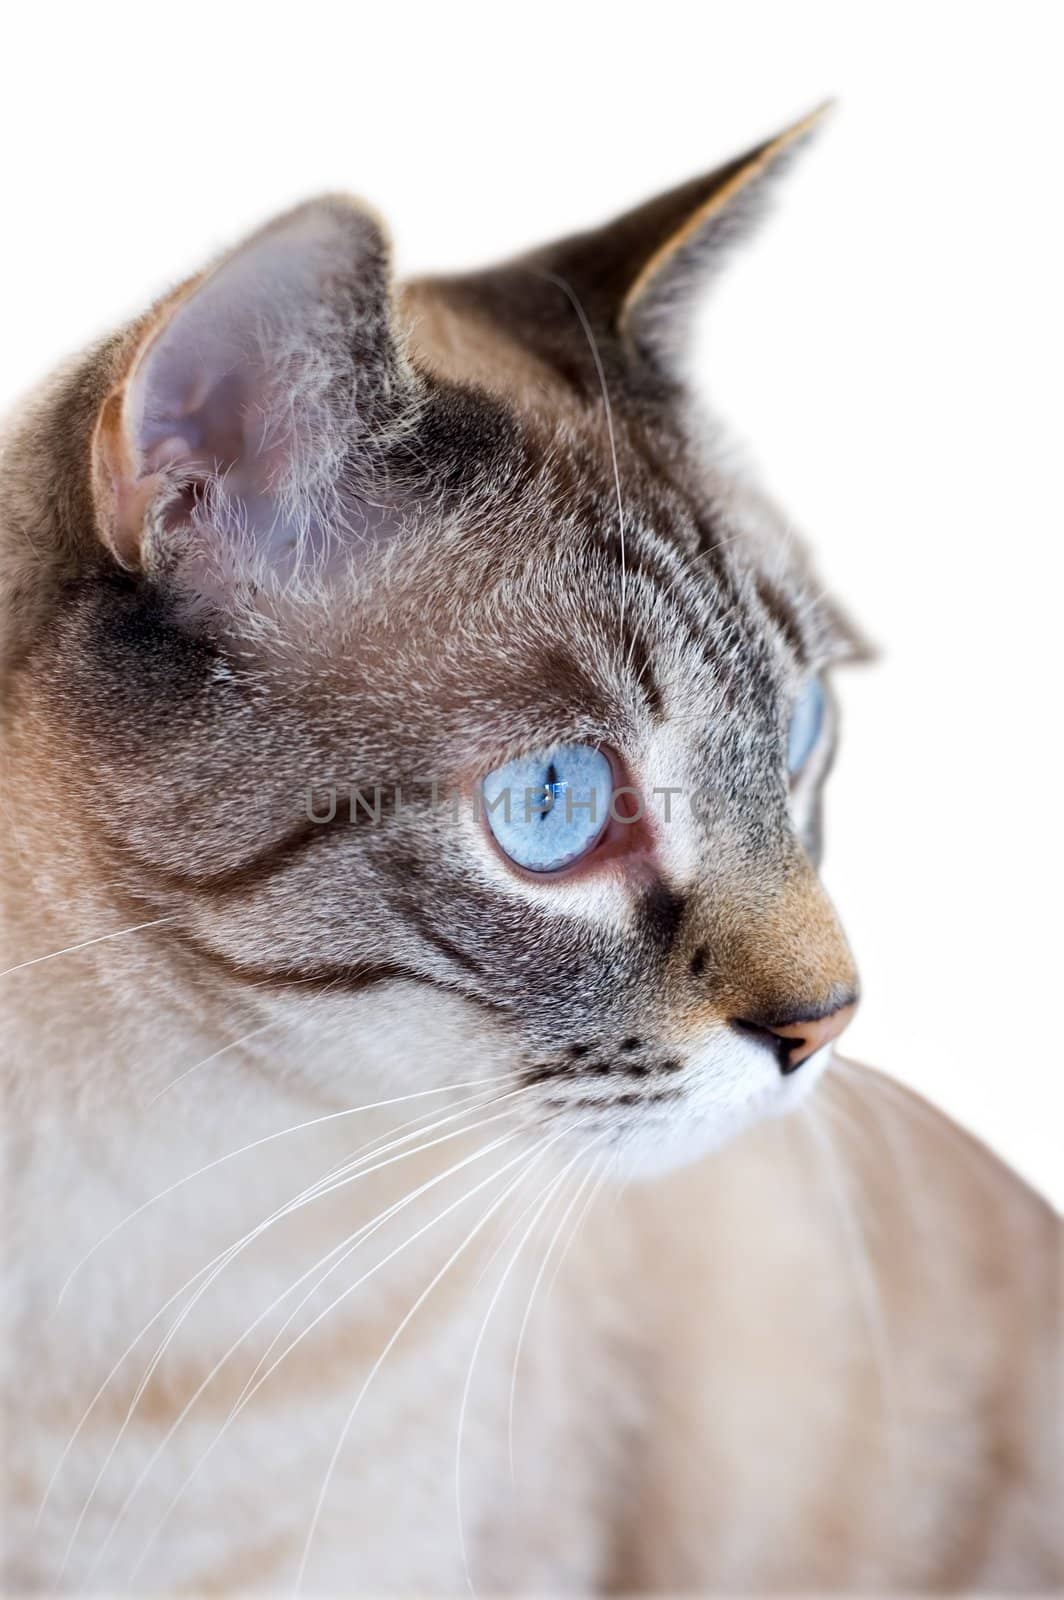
890, 348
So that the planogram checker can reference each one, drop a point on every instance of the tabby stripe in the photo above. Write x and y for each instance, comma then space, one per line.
257, 869
713, 549
661, 915
416, 917
663, 579
265, 863
781, 614
638, 656
343, 978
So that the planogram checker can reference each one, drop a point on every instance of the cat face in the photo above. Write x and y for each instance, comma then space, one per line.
410, 652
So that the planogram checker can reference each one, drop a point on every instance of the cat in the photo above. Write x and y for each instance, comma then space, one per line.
416, 975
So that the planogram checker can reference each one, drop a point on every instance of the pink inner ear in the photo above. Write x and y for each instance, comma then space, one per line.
169, 452
191, 421
245, 406
202, 406
195, 403
209, 391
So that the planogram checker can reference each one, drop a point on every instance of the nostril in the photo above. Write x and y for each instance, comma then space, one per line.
785, 1050
794, 1039
792, 1052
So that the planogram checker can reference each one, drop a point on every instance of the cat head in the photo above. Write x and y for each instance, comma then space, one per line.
413, 652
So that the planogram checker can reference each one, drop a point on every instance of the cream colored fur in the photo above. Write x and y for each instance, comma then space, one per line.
824, 1356
788, 1354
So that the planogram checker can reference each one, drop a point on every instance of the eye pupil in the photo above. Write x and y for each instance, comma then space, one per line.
552, 789
548, 810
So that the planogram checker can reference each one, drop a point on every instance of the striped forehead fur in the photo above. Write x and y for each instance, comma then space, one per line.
509, 528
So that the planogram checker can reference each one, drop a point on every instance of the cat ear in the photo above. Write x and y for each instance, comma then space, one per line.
659, 304
640, 278
242, 409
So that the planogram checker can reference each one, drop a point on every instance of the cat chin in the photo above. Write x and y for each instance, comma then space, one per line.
645, 1158
711, 1119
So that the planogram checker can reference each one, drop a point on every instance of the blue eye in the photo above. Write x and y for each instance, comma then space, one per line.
807, 719
547, 810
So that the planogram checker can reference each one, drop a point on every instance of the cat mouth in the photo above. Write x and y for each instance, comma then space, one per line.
657, 1109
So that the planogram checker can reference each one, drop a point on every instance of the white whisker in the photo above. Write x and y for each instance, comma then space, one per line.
490, 1260
537, 1280
544, 1201
863, 1270
232, 1045
905, 1174
212, 1271
574, 1233
404, 1322
989, 1173
600, 370
72, 949
255, 1144
256, 1381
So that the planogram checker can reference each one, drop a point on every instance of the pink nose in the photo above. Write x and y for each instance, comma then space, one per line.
796, 1041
